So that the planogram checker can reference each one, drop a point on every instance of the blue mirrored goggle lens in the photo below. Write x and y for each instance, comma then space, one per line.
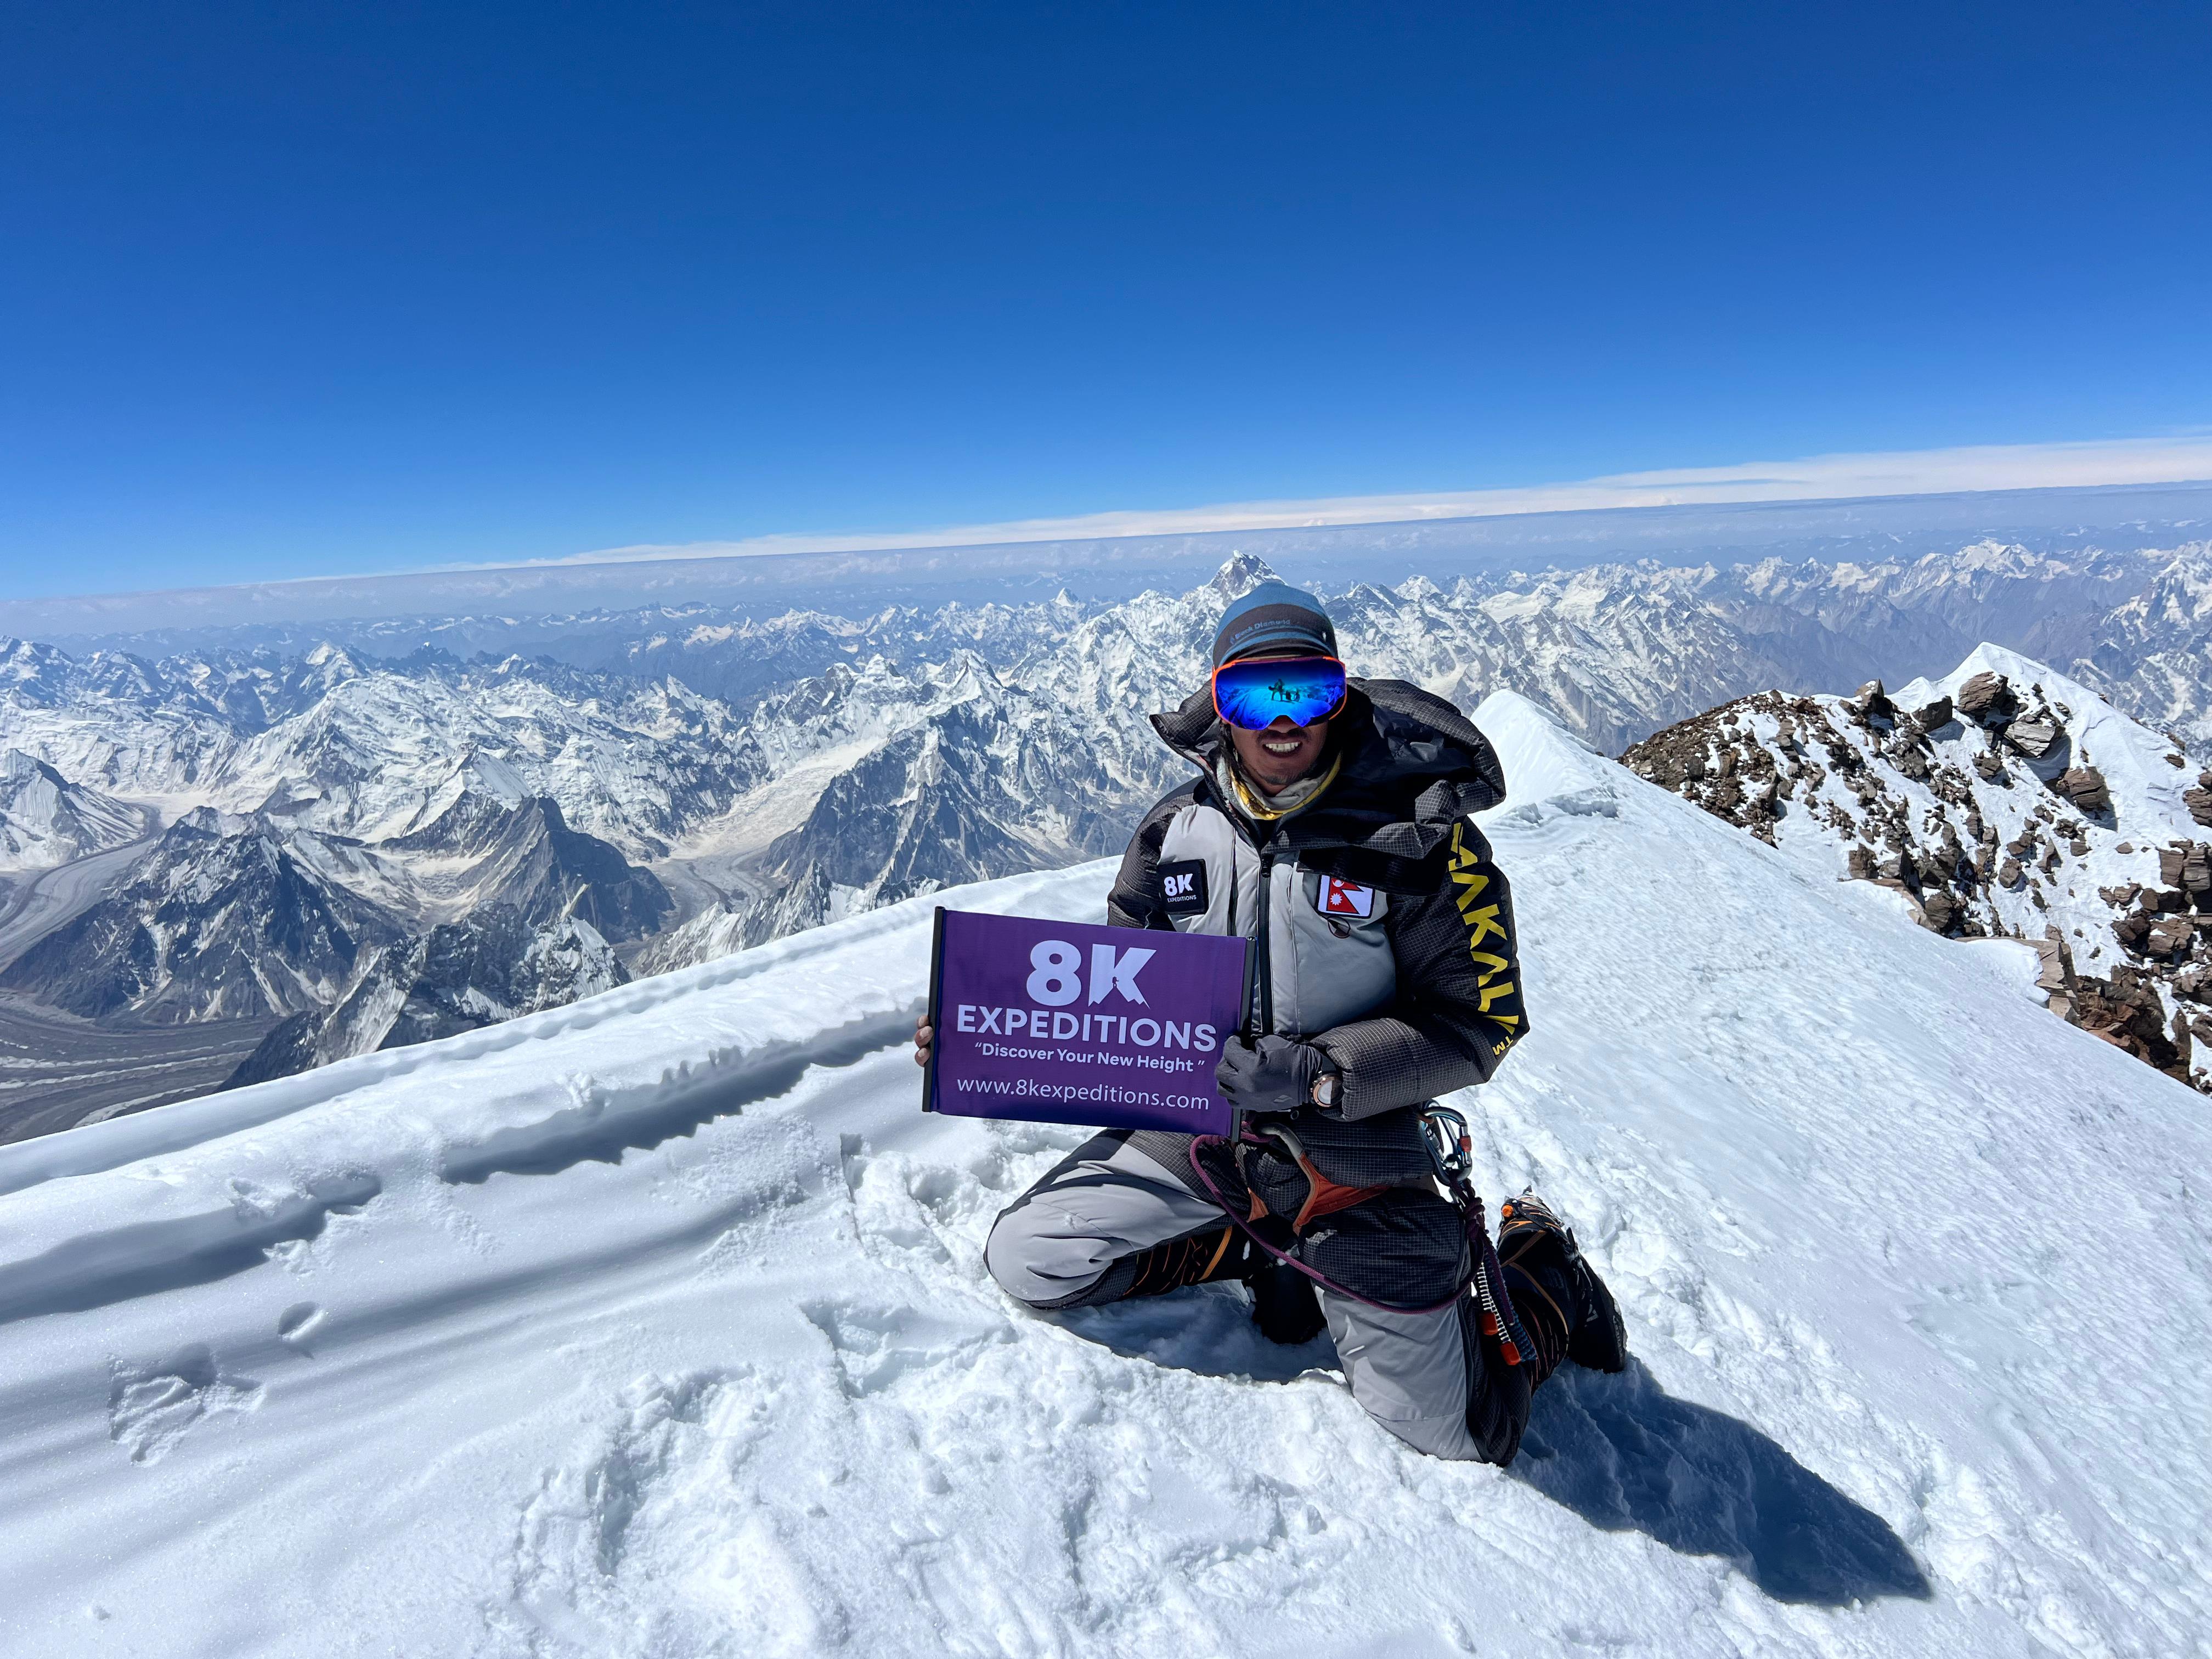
1256, 694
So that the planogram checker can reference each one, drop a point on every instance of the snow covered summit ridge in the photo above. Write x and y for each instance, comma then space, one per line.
2004, 798
657, 1324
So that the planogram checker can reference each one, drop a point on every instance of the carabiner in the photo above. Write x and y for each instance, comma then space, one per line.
1450, 1146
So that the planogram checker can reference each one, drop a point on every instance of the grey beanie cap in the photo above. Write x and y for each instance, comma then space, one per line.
1274, 616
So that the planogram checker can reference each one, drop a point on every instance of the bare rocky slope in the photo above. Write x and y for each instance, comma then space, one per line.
2001, 799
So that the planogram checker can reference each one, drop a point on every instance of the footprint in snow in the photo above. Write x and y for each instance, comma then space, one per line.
151, 1408
299, 1324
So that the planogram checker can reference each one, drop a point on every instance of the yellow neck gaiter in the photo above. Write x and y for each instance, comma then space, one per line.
1296, 799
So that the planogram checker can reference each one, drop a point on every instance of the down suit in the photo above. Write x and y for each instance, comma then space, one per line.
1382, 933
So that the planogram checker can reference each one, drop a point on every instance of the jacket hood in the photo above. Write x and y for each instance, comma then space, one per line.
1412, 767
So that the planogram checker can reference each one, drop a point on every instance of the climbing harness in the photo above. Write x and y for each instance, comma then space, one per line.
1444, 1132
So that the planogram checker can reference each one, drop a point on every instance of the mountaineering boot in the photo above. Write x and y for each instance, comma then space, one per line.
1284, 1305
1541, 1253
1193, 1259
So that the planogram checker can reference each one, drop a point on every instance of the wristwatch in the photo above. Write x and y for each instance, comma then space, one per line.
1326, 1088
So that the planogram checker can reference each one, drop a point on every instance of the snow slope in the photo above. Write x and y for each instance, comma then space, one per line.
657, 1325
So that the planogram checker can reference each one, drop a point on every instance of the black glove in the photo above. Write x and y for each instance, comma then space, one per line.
1276, 1075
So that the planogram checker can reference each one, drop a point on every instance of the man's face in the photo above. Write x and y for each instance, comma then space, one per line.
1279, 757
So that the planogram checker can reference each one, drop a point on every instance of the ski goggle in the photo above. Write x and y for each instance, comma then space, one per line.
1255, 692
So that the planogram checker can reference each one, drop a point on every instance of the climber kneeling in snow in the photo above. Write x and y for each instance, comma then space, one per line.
1330, 826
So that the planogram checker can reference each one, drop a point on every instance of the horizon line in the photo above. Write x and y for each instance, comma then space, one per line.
1965, 469
2182, 461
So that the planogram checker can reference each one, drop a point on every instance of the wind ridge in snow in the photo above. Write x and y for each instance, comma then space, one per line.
658, 1324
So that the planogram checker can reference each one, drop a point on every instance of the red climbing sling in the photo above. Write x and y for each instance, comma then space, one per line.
1449, 1143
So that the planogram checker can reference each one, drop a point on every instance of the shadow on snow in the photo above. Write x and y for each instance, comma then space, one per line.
1625, 1455
1620, 1451
1207, 1329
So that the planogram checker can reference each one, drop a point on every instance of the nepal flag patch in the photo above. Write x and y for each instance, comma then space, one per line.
1345, 898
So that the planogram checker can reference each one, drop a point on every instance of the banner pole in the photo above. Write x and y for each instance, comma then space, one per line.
1248, 1026
936, 974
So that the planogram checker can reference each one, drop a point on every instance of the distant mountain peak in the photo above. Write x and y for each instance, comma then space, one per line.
15, 764
45, 820
1240, 574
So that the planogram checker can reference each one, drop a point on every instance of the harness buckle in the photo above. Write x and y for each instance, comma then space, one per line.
1323, 1196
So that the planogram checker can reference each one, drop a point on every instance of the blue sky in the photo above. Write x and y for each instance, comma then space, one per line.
292, 289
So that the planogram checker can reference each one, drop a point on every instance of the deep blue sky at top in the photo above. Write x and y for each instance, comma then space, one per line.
291, 289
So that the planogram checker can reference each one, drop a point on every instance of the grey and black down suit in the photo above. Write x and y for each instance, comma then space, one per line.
1382, 934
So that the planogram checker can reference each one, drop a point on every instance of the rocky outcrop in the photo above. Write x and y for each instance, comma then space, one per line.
2199, 800
2086, 787
2054, 974
2037, 737
1717, 762
2172, 937
2124, 1009
1988, 699
1929, 806
2185, 871
1870, 706
2197, 874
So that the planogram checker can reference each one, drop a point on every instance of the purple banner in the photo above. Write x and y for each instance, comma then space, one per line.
1055, 1022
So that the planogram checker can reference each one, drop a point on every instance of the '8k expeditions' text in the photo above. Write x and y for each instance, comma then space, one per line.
1063, 1027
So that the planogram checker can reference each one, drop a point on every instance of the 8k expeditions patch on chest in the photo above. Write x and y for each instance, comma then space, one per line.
1182, 886
1344, 898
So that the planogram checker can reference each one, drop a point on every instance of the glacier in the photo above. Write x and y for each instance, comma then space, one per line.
657, 1324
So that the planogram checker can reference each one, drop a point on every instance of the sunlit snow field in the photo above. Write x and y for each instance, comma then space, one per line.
657, 1325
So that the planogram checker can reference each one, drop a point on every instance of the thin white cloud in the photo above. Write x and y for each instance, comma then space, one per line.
1819, 477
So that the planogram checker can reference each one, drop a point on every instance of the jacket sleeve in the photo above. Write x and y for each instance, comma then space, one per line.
1458, 1008
1135, 901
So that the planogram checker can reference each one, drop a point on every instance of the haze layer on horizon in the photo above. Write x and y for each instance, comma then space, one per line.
1980, 469
859, 581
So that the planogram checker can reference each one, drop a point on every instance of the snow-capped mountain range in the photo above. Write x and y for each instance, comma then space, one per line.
233, 917
377, 750
658, 1324
845, 762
